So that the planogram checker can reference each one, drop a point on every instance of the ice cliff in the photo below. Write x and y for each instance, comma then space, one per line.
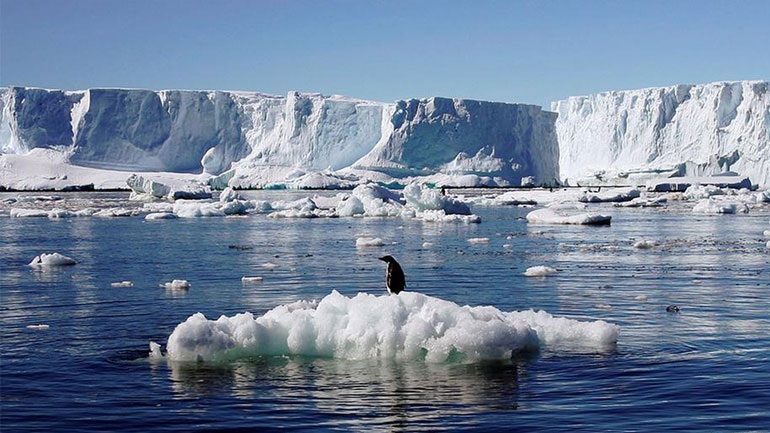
256, 140
307, 140
688, 130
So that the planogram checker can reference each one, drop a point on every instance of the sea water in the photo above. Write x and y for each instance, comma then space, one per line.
75, 347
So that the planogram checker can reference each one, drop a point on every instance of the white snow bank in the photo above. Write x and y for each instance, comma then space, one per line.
540, 271
551, 216
408, 326
53, 259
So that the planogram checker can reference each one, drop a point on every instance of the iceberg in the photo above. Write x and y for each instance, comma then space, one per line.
300, 140
52, 260
682, 130
551, 216
408, 326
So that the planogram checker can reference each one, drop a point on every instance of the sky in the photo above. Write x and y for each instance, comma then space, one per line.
521, 51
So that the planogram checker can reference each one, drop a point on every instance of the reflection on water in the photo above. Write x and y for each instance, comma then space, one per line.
347, 393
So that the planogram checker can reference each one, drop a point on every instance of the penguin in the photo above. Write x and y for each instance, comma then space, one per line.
394, 278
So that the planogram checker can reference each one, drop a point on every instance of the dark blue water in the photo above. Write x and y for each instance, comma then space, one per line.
706, 368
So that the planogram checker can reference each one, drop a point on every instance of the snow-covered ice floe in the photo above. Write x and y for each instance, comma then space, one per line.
552, 216
53, 259
410, 326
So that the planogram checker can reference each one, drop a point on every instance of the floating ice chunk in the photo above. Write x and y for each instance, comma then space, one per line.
612, 195
766, 233
28, 213
196, 209
40, 327
406, 327
421, 198
122, 284
228, 194
249, 280
698, 192
427, 244
642, 298
645, 244
144, 188
603, 306
551, 216
442, 217
719, 207
373, 201
644, 202
540, 271
117, 212
478, 240
160, 216
53, 259
269, 265
176, 285
369, 242
155, 352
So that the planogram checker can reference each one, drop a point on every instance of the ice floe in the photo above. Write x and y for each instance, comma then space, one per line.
53, 259
553, 216
369, 242
176, 285
540, 271
408, 326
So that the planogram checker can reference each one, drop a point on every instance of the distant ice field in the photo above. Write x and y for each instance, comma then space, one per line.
76, 339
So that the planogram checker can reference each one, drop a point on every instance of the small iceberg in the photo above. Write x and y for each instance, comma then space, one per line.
54, 259
369, 242
176, 285
250, 280
550, 216
410, 326
540, 271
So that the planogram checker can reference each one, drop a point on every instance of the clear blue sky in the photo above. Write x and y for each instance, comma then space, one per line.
514, 51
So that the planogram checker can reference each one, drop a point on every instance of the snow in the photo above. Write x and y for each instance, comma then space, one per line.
53, 259
410, 326
540, 271
685, 130
552, 216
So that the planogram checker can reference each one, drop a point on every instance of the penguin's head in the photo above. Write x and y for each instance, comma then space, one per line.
387, 259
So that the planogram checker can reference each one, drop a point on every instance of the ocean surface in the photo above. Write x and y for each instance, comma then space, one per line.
705, 368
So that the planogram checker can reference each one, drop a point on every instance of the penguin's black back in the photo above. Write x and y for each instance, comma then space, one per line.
394, 279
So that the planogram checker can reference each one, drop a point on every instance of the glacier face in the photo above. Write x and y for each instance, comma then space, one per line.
689, 130
254, 140
248, 139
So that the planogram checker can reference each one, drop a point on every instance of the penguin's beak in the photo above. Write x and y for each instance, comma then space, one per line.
382, 258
